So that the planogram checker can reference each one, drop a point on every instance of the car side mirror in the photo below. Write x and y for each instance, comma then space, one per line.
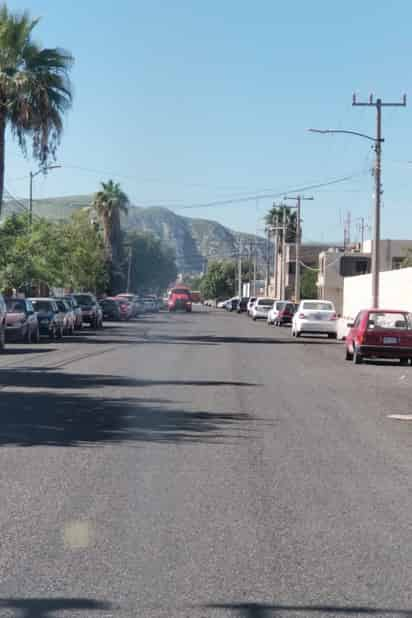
350, 324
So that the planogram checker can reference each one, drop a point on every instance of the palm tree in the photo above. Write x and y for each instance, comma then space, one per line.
109, 203
275, 217
35, 89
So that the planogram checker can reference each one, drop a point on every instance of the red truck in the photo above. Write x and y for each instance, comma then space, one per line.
180, 299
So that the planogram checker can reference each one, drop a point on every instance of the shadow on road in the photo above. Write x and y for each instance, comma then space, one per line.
44, 608
46, 378
50, 419
262, 610
214, 340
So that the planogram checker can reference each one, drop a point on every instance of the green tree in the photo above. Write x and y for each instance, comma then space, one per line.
153, 265
219, 281
308, 288
35, 89
109, 203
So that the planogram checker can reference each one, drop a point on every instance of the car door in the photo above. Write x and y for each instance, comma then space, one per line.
354, 331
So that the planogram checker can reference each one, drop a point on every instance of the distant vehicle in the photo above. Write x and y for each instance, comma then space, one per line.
136, 306
196, 297
77, 310
91, 311
285, 314
274, 311
69, 318
22, 323
180, 300
111, 309
379, 333
250, 304
261, 308
126, 308
3, 314
242, 304
222, 304
232, 303
315, 317
48, 315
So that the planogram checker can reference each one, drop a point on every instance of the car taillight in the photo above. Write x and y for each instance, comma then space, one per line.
333, 316
301, 316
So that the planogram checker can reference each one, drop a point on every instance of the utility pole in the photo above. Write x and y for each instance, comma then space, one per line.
267, 278
254, 268
239, 271
298, 199
378, 104
129, 270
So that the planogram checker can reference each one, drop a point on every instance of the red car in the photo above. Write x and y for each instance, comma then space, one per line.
380, 333
180, 298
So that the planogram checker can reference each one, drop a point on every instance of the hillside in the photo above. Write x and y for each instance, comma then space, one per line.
194, 240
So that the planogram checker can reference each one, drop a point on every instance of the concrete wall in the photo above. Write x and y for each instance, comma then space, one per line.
395, 291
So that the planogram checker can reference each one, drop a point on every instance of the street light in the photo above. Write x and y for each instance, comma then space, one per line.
377, 215
33, 175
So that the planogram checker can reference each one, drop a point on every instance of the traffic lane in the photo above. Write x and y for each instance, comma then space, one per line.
221, 500
110, 523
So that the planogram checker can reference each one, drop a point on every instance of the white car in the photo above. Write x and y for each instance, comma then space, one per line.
221, 304
315, 317
250, 304
261, 308
274, 311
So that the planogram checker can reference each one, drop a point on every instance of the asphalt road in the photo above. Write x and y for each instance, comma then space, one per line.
203, 466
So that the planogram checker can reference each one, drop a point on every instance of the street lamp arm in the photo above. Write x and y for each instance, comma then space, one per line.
369, 137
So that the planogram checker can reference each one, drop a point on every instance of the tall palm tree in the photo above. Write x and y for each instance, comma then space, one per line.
35, 89
109, 203
275, 217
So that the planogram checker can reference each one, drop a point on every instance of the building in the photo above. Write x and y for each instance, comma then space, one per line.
309, 256
392, 252
334, 266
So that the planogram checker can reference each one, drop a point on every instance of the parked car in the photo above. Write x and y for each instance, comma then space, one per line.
69, 318
285, 314
22, 323
179, 299
250, 304
379, 333
274, 311
126, 308
3, 314
50, 322
111, 309
261, 308
136, 304
315, 317
222, 304
232, 303
242, 304
78, 314
91, 311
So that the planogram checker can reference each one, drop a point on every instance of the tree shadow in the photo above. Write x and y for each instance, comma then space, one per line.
23, 350
48, 378
214, 340
50, 419
263, 610
44, 608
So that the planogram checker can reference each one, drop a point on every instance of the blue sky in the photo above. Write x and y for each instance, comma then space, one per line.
187, 103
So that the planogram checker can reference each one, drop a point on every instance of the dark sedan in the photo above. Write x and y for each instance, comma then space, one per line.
111, 309
21, 321
50, 322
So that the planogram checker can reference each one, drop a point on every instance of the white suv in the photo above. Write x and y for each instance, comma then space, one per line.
315, 317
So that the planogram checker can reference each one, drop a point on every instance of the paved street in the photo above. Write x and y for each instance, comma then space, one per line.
203, 466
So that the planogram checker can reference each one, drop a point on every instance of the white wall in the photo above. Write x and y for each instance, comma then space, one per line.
395, 291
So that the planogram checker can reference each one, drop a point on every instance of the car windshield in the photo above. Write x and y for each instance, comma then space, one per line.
42, 305
179, 291
266, 302
389, 320
61, 305
15, 305
317, 306
84, 300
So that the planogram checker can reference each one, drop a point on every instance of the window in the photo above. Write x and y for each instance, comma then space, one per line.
397, 263
317, 306
390, 320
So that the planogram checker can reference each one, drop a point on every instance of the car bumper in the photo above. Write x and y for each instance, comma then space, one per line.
15, 332
260, 315
378, 351
317, 327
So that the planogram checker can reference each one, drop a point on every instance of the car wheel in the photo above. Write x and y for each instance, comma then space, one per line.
356, 357
53, 334
297, 333
404, 361
348, 355
254, 318
37, 336
28, 335
60, 333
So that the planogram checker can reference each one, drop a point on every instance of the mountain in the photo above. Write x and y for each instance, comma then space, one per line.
195, 241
